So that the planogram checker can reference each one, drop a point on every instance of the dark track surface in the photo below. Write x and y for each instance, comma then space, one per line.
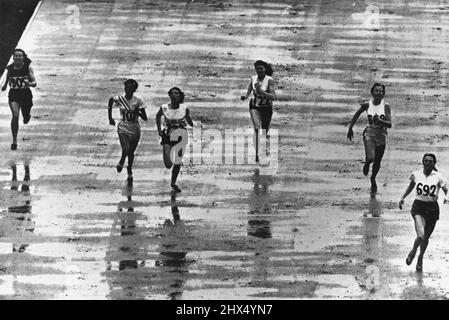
14, 16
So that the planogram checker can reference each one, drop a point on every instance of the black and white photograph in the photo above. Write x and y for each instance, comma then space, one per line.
213, 150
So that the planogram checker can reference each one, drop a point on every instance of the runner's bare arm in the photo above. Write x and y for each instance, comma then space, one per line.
363, 107
31, 81
248, 92
407, 192
6, 81
158, 121
143, 114
110, 102
188, 118
445, 190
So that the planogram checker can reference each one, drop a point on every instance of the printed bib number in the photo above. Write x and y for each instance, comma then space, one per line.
261, 101
371, 120
129, 116
17, 82
425, 190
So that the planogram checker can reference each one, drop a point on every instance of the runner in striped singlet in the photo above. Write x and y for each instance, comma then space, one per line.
131, 108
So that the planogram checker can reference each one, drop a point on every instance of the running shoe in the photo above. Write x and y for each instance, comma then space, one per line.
410, 257
26, 118
175, 188
14, 146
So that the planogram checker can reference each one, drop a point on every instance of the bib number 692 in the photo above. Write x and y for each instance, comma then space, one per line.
425, 190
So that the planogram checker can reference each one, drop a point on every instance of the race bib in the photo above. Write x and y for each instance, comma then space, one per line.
18, 82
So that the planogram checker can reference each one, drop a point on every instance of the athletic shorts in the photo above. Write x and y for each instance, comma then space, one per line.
379, 136
132, 132
429, 210
166, 139
266, 112
23, 97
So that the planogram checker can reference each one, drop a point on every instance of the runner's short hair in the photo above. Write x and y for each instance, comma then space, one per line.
268, 67
132, 82
179, 91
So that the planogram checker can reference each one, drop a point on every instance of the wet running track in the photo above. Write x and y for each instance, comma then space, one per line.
70, 227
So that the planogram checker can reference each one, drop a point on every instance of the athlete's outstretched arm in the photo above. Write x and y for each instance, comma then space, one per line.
111, 121
188, 118
31, 78
248, 91
363, 107
407, 192
158, 121
6, 81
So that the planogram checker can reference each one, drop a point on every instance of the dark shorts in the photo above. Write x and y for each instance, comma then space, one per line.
166, 139
428, 210
266, 112
24, 98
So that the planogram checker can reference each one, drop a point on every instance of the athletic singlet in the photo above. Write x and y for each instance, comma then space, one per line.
259, 100
427, 187
17, 77
376, 110
128, 112
174, 118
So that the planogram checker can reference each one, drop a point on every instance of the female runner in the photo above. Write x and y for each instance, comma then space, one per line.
425, 209
375, 134
131, 108
20, 77
261, 106
174, 135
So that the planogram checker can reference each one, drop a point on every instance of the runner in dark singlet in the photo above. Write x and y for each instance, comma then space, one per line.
20, 77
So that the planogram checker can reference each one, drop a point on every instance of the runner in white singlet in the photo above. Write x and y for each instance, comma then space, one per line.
174, 135
261, 105
425, 209
375, 134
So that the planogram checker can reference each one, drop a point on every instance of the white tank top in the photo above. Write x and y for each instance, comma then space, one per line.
373, 110
174, 118
258, 99
427, 187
